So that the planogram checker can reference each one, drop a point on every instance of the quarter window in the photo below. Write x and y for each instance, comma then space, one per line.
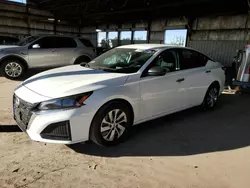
191, 59
86, 42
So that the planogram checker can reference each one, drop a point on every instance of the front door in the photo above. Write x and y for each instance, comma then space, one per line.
163, 94
42, 53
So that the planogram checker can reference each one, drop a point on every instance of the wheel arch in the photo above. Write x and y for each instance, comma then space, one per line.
120, 100
22, 60
82, 56
216, 83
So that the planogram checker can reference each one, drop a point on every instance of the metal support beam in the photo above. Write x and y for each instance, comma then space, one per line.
149, 31
28, 18
54, 25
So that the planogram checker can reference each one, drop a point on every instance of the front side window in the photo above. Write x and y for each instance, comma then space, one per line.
27, 40
167, 60
44, 43
191, 59
123, 60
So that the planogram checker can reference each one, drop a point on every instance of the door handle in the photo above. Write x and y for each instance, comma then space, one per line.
208, 71
180, 80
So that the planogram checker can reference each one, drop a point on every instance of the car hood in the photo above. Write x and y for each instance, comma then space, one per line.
72, 80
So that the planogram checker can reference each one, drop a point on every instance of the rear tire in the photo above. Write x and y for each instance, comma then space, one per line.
211, 97
111, 124
12, 69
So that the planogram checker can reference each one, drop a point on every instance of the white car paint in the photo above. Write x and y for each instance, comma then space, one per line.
150, 97
7, 46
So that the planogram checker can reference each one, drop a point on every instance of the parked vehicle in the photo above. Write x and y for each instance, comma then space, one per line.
125, 86
44, 51
243, 68
8, 41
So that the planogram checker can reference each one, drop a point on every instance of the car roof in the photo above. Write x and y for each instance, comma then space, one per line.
150, 46
53, 35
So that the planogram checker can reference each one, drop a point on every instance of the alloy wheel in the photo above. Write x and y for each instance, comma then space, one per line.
113, 125
212, 97
13, 69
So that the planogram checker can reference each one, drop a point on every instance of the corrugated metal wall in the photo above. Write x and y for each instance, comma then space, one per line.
217, 36
17, 20
221, 51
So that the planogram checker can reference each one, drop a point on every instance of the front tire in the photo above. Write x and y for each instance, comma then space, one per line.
82, 59
12, 69
211, 97
111, 124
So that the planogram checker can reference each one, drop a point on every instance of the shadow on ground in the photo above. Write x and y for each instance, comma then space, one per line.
185, 133
9, 128
31, 72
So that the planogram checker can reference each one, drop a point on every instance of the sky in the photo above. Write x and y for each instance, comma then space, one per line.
19, 1
112, 35
141, 35
170, 35
126, 35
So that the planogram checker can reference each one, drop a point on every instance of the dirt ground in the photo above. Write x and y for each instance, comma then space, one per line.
190, 149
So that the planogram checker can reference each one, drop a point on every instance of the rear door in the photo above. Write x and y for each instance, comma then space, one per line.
42, 53
197, 76
66, 48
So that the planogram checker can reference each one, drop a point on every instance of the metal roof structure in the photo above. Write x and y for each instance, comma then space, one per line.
117, 11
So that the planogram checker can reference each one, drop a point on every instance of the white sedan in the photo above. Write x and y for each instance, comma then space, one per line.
125, 86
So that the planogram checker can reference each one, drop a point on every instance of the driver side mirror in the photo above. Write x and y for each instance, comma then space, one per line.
156, 71
35, 46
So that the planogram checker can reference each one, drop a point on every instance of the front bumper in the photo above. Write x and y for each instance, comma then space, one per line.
40, 125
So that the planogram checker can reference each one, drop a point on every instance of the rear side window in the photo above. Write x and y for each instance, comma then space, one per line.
191, 59
86, 43
65, 42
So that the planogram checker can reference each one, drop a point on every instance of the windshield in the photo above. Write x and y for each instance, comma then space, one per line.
27, 40
122, 60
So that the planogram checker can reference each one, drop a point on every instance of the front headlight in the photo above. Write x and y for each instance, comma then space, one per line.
74, 101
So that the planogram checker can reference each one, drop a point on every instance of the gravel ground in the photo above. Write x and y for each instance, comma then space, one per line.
190, 149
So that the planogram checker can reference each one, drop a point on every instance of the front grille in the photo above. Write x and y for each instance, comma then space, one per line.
22, 112
57, 131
